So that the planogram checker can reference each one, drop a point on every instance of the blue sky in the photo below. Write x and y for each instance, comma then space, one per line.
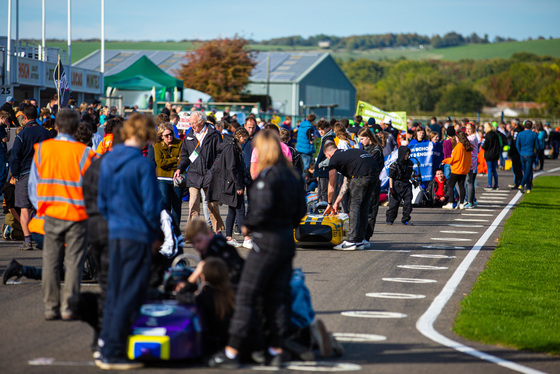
183, 19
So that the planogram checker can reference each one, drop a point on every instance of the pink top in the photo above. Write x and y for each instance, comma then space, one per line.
285, 151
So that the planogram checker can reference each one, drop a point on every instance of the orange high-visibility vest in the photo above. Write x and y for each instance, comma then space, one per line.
60, 166
36, 225
106, 145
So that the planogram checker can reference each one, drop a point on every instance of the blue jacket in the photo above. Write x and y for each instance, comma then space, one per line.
527, 143
541, 139
128, 195
23, 151
302, 144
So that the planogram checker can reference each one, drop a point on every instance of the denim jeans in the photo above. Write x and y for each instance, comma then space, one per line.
360, 189
171, 199
527, 163
306, 160
492, 172
471, 186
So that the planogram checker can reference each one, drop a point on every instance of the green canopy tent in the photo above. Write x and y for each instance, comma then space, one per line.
142, 75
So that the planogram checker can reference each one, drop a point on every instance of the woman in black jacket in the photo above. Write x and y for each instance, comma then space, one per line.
228, 182
492, 150
371, 145
276, 206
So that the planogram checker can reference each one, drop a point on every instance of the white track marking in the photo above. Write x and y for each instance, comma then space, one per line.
482, 210
433, 256
477, 215
49, 361
452, 239
471, 220
325, 366
410, 280
493, 196
422, 267
358, 338
486, 205
425, 323
458, 232
385, 250
494, 201
393, 295
432, 246
463, 225
373, 314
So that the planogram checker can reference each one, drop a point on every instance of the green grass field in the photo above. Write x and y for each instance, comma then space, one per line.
516, 299
473, 51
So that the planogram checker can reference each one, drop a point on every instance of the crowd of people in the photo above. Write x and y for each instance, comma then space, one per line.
84, 180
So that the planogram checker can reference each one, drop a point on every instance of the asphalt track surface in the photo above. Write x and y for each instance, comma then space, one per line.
363, 292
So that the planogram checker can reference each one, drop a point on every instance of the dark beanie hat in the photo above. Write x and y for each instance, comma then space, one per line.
371, 121
450, 131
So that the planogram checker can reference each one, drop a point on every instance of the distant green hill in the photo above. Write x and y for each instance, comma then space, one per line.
472, 51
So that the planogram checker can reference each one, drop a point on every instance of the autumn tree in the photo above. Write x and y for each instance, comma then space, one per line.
219, 68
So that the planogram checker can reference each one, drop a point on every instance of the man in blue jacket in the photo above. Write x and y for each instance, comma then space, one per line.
128, 198
527, 143
304, 144
20, 166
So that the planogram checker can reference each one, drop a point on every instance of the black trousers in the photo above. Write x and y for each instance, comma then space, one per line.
322, 189
402, 192
360, 190
266, 275
541, 159
517, 169
373, 209
456, 179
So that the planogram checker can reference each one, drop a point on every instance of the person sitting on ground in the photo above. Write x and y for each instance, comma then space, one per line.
437, 189
215, 302
400, 187
11, 229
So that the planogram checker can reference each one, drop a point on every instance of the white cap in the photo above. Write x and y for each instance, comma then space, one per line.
387, 119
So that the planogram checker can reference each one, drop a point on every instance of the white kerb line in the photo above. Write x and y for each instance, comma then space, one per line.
425, 323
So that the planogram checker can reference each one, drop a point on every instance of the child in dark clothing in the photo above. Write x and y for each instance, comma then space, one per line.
400, 186
310, 179
11, 230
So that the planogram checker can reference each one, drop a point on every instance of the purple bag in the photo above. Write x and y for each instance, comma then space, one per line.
165, 331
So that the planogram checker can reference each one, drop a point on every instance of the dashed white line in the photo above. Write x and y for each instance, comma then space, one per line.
394, 295
409, 280
358, 338
483, 210
452, 239
432, 246
422, 267
463, 225
373, 314
471, 220
477, 215
432, 256
321, 366
458, 232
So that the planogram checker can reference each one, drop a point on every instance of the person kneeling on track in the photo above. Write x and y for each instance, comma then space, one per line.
437, 189
400, 187
361, 175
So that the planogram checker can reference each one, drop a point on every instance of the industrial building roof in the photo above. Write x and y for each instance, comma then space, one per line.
284, 66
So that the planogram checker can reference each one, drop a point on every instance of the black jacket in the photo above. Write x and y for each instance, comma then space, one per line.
377, 153
276, 200
401, 170
7, 107
97, 225
432, 188
491, 146
228, 174
198, 175
218, 247
323, 172
23, 151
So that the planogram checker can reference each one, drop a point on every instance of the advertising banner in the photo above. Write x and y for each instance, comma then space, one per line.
368, 111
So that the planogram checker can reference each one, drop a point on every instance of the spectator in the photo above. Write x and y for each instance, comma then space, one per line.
198, 153
527, 142
11, 229
434, 126
107, 144
255, 157
460, 162
167, 109
541, 137
419, 136
4, 139
516, 166
287, 124
322, 172
471, 176
277, 204
174, 119
296, 157
387, 142
387, 126
21, 159
228, 183
8, 107
448, 145
57, 172
128, 199
437, 189
304, 143
434, 137
491, 146
342, 139
167, 153
247, 148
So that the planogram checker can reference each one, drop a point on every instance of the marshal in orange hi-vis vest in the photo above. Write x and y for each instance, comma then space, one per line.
61, 165
106, 145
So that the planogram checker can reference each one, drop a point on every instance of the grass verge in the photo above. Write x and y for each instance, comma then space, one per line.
516, 300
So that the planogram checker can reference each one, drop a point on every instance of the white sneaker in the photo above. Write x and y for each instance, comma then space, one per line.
366, 244
448, 206
339, 247
461, 206
233, 243
349, 246
248, 244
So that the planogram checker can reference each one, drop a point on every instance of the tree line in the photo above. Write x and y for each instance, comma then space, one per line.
457, 87
370, 41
